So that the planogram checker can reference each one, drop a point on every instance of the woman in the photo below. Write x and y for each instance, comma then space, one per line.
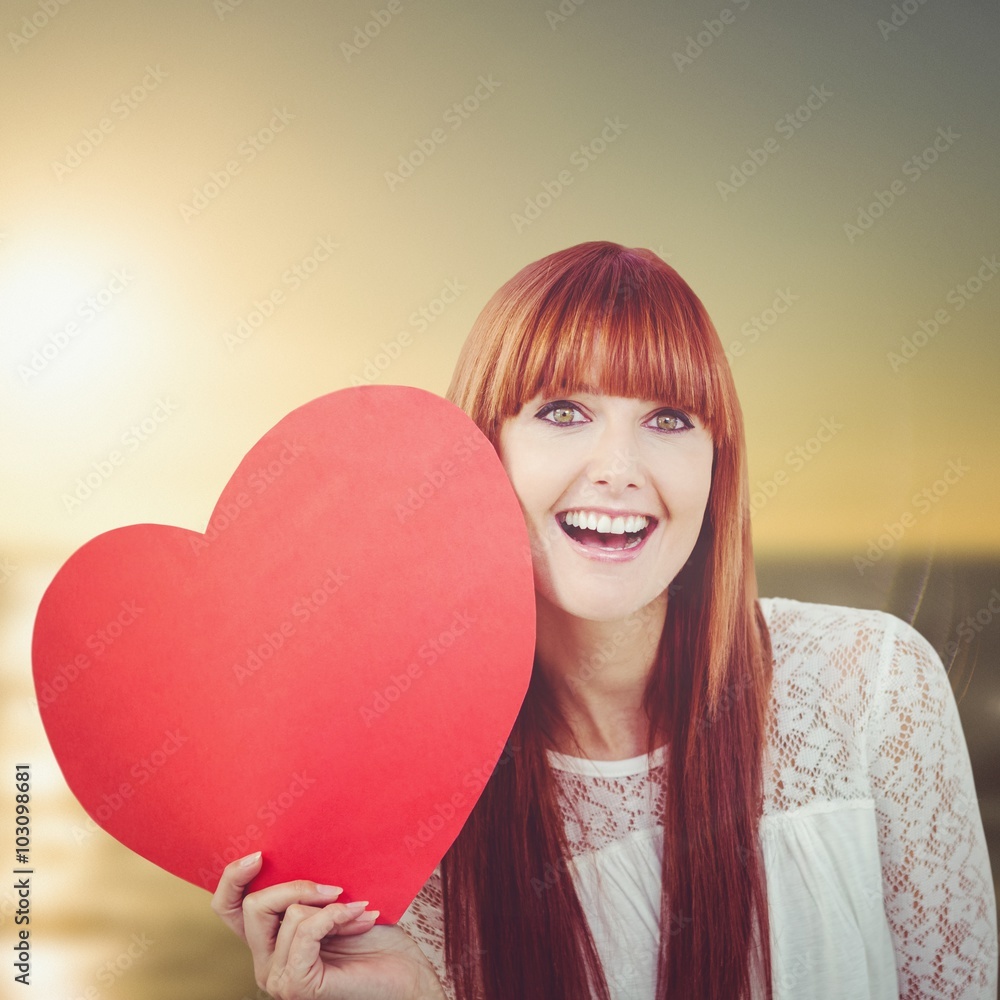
693, 771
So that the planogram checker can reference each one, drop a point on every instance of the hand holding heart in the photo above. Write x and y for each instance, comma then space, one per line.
305, 946
328, 674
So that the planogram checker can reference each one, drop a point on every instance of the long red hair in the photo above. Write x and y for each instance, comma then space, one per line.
601, 307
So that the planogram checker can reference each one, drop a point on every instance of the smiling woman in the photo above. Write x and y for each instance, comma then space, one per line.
705, 794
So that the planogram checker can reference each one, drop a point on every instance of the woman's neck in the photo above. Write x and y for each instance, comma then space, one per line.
597, 672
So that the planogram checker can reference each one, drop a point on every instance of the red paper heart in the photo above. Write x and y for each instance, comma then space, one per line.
328, 674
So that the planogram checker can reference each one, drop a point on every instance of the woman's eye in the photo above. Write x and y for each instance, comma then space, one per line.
560, 412
671, 420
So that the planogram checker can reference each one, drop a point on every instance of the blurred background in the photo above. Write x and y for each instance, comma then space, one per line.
213, 211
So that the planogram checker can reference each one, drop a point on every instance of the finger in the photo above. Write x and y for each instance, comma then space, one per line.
301, 936
263, 911
227, 901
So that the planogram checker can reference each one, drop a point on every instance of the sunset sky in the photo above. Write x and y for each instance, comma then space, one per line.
214, 212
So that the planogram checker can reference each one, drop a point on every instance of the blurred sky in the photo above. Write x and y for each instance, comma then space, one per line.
167, 167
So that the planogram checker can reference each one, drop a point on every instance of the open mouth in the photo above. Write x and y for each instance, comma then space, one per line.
602, 531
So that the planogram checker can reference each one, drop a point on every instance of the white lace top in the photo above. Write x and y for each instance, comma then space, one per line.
878, 878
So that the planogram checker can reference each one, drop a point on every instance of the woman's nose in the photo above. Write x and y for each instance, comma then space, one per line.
616, 463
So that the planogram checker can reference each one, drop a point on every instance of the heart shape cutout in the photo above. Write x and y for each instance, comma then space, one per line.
327, 674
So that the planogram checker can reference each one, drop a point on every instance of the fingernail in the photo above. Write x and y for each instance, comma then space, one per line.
329, 890
250, 859
358, 906
368, 915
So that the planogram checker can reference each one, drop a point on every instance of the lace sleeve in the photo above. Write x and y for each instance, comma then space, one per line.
424, 922
936, 881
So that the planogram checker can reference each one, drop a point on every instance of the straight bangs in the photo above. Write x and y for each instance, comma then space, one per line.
596, 318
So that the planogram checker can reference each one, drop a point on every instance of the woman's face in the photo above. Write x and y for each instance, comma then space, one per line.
613, 491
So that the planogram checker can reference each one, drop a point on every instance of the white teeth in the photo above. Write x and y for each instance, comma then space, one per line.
604, 523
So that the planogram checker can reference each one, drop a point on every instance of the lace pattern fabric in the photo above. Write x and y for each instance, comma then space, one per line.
878, 877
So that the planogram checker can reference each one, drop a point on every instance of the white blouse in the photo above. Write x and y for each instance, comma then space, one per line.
878, 877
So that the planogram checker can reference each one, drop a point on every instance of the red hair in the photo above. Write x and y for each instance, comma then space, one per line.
599, 307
